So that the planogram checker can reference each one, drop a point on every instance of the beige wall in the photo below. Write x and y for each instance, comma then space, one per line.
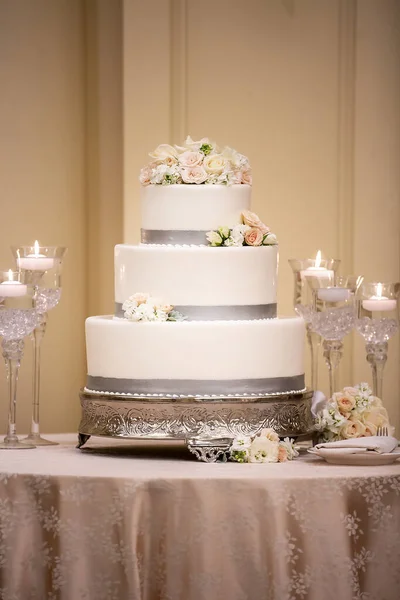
309, 90
59, 176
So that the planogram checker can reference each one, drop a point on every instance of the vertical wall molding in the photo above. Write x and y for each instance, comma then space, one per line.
347, 13
178, 70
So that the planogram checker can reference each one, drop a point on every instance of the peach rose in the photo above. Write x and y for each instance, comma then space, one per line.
252, 220
166, 308
193, 175
214, 164
246, 177
346, 402
282, 454
352, 429
253, 237
270, 434
140, 298
191, 159
370, 429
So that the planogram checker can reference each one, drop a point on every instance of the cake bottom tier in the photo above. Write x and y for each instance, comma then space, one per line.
197, 358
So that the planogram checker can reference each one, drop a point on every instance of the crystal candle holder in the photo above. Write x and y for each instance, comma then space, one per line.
377, 322
18, 318
318, 269
332, 317
42, 268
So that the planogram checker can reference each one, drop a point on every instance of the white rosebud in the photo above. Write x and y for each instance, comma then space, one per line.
214, 238
224, 232
270, 240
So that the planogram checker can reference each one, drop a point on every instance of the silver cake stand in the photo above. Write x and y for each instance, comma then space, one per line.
208, 425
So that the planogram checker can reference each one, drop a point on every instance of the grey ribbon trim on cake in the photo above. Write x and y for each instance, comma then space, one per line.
247, 312
173, 236
196, 387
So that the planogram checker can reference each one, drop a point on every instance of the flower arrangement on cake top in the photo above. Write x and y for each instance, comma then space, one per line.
251, 232
141, 307
265, 447
351, 413
196, 163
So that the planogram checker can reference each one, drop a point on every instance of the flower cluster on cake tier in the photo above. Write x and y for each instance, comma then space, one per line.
196, 162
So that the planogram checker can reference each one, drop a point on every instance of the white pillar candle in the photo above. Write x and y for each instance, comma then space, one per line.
379, 304
334, 294
35, 261
12, 289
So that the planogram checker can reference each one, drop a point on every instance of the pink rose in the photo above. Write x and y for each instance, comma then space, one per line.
191, 159
253, 220
193, 175
253, 237
345, 401
246, 177
352, 429
282, 454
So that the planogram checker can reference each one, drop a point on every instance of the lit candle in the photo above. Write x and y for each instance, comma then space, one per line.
334, 294
379, 303
35, 261
317, 270
11, 288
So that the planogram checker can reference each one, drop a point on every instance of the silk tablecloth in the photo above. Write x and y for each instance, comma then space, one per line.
136, 521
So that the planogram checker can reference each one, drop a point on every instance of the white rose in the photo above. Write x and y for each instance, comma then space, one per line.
214, 238
214, 164
263, 450
377, 415
237, 160
165, 153
191, 159
193, 175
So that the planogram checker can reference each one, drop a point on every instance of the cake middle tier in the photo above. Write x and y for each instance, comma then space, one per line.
201, 282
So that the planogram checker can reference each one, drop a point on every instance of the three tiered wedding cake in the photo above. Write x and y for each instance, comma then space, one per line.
195, 302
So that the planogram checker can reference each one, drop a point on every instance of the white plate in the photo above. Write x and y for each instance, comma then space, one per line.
363, 459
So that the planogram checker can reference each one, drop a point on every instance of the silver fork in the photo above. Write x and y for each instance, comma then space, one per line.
382, 432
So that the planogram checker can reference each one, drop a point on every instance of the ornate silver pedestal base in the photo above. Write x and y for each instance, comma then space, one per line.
207, 425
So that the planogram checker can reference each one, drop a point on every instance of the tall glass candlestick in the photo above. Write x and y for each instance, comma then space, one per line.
323, 269
377, 322
42, 266
18, 318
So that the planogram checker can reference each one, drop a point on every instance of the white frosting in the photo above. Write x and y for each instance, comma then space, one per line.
197, 275
221, 350
193, 207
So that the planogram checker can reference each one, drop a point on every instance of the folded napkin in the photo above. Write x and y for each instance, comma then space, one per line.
373, 443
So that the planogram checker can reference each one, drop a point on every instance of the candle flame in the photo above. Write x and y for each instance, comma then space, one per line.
36, 247
10, 275
318, 259
379, 290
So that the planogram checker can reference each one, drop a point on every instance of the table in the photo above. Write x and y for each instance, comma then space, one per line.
140, 521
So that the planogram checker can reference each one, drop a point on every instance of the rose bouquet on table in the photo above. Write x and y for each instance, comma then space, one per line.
251, 232
265, 447
196, 162
351, 413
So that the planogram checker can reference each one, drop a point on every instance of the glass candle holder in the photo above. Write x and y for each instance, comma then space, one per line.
42, 268
18, 318
333, 317
377, 321
319, 269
